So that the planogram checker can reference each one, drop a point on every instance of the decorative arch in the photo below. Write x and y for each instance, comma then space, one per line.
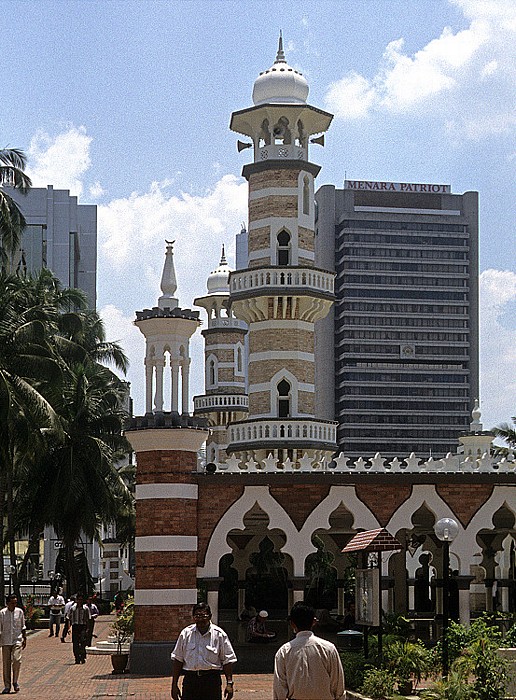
212, 371
284, 375
283, 248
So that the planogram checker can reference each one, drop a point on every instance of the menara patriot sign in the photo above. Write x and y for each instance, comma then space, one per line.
372, 185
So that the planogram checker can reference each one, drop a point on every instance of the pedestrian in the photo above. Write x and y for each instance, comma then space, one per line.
307, 667
119, 602
202, 653
257, 631
94, 613
13, 639
66, 622
79, 617
56, 603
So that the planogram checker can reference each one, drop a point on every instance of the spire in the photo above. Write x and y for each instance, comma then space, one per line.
223, 260
476, 426
168, 280
280, 56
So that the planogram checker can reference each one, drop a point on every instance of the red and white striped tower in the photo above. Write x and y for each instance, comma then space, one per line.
166, 444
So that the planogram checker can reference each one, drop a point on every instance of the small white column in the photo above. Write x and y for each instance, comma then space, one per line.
297, 596
213, 602
158, 398
504, 597
149, 371
174, 385
185, 388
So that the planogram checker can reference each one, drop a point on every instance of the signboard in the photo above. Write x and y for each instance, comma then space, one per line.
374, 186
367, 597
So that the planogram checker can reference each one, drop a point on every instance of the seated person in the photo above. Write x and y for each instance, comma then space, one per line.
248, 613
257, 631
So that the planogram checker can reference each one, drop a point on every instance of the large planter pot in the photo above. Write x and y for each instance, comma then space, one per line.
119, 662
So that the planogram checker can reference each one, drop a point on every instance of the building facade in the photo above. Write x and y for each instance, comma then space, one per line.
404, 332
61, 234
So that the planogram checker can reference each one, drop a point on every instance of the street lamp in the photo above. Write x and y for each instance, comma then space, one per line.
34, 579
446, 530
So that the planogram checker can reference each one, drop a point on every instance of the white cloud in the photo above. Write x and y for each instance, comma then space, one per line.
467, 76
61, 160
498, 347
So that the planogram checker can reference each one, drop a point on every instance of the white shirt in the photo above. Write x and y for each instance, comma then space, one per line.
306, 668
12, 624
203, 652
56, 602
79, 615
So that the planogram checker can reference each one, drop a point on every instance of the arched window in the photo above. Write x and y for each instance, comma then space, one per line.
212, 378
306, 196
283, 250
239, 362
283, 399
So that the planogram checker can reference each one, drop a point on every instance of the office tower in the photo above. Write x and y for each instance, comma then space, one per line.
405, 323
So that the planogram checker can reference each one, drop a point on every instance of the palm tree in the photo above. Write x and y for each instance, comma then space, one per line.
27, 366
12, 221
508, 433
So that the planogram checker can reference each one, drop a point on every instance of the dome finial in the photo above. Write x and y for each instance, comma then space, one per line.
168, 280
280, 56
223, 260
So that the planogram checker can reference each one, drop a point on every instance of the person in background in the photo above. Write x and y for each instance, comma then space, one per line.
13, 639
202, 652
79, 617
94, 613
257, 631
66, 623
56, 603
307, 667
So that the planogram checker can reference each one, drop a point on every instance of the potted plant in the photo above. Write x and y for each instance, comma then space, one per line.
409, 662
123, 629
33, 613
378, 683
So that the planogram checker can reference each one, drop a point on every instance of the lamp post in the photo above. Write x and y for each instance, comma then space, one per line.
11, 574
34, 579
446, 530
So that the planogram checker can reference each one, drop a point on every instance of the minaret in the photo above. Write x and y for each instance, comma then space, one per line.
281, 294
225, 400
167, 330
166, 445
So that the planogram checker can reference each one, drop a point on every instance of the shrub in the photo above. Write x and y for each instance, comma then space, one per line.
510, 637
378, 683
123, 626
32, 613
408, 661
354, 665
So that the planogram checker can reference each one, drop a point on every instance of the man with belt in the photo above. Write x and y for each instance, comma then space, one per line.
13, 639
308, 667
202, 652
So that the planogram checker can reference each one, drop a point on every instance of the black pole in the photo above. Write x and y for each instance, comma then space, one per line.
380, 624
446, 604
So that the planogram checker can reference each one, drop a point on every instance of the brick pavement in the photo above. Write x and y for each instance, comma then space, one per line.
48, 671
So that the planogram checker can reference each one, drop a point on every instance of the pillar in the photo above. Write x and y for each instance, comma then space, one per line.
341, 601
298, 590
174, 385
464, 583
158, 397
166, 538
212, 588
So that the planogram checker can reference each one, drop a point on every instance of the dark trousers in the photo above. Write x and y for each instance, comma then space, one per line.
207, 686
89, 632
79, 642
66, 628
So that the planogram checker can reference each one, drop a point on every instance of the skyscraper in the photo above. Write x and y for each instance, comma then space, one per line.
405, 328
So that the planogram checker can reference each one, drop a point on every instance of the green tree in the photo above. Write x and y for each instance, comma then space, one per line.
12, 221
507, 432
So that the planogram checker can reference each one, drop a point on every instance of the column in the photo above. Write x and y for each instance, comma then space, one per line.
341, 602
158, 398
166, 540
149, 371
212, 587
174, 385
464, 583
298, 588
185, 388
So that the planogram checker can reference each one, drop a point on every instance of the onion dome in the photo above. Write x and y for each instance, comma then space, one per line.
281, 83
218, 281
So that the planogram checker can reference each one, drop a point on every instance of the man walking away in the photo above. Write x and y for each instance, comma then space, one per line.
307, 667
79, 617
66, 622
202, 652
56, 603
12, 639
94, 613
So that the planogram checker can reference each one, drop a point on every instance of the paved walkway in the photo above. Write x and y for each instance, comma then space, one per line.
49, 672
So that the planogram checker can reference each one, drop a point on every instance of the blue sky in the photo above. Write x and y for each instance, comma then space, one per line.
127, 104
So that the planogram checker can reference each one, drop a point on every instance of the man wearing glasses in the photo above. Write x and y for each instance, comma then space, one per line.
202, 652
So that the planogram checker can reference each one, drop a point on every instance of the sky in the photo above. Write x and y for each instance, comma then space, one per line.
127, 103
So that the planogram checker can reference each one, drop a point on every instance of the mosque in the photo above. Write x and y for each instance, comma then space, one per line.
263, 519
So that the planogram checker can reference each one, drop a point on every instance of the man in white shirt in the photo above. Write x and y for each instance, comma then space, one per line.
66, 623
307, 667
79, 617
202, 652
12, 639
56, 603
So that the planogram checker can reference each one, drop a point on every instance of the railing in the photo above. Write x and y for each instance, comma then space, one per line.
298, 429
451, 464
227, 401
309, 278
283, 152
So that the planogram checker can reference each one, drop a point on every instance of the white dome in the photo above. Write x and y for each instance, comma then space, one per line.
281, 83
218, 281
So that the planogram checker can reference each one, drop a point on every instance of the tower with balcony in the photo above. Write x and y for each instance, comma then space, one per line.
225, 398
281, 294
